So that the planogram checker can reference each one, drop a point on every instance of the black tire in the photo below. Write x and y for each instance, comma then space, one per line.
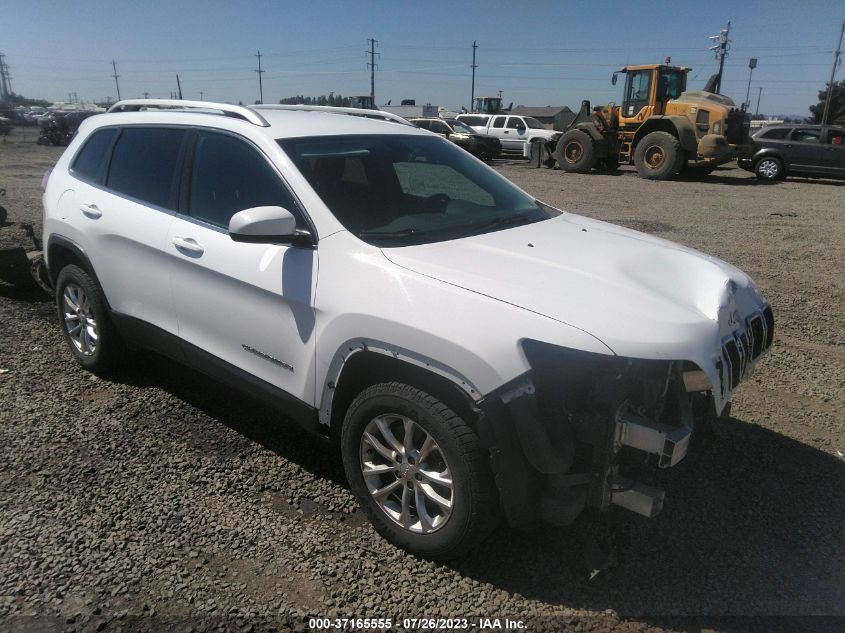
658, 156
769, 168
108, 348
475, 508
575, 152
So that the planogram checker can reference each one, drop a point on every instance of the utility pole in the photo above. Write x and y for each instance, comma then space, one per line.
179, 86
721, 49
5, 88
372, 66
752, 64
115, 75
832, 76
759, 94
260, 84
202, 96
474, 66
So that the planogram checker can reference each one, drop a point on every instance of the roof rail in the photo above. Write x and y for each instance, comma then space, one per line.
234, 111
370, 114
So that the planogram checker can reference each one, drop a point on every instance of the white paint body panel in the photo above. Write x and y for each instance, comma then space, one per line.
460, 308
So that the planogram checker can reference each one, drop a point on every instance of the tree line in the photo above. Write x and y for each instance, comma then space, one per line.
338, 101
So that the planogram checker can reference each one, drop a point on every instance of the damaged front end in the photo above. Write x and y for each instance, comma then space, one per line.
562, 436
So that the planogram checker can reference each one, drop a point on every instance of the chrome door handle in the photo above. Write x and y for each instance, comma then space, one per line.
91, 211
188, 244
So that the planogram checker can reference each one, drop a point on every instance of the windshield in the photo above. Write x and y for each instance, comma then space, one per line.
394, 190
463, 128
533, 123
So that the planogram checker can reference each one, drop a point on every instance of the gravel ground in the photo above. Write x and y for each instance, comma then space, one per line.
158, 499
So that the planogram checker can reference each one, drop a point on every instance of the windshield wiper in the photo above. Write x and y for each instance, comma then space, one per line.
397, 235
503, 221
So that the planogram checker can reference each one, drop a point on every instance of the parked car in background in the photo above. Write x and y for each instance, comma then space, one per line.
514, 132
5, 126
815, 151
483, 146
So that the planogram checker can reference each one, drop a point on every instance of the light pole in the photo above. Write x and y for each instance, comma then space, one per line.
759, 94
752, 64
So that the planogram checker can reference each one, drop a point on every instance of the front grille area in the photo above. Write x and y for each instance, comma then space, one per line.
746, 346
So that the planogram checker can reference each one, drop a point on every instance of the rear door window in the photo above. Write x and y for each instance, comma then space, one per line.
514, 123
806, 136
776, 134
90, 162
143, 164
228, 175
499, 121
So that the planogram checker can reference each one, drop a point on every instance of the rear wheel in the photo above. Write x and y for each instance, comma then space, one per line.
575, 152
89, 332
418, 470
658, 156
769, 168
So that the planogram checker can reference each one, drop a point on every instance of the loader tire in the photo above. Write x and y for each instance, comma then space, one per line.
575, 152
658, 156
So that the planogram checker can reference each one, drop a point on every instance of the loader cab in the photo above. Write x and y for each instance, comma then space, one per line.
648, 89
365, 102
487, 105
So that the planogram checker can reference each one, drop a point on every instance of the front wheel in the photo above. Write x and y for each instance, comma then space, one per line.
769, 168
419, 471
575, 152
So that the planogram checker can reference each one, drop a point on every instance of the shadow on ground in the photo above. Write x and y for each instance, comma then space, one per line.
754, 521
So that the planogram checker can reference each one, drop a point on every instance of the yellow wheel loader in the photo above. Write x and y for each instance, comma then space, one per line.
660, 128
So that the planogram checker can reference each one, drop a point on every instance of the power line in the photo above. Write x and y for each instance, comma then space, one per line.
115, 75
260, 84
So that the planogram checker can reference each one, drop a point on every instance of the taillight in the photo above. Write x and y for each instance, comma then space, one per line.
45, 179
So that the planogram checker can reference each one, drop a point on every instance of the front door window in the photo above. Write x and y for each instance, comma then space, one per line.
637, 91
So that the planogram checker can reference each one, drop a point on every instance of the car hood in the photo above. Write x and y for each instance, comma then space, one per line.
642, 296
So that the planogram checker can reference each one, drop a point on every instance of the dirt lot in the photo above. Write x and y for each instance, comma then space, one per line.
157, 498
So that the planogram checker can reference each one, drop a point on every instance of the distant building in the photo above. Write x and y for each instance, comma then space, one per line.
547, 114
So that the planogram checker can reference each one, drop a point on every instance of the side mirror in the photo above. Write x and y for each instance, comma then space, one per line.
614, 78
263, 225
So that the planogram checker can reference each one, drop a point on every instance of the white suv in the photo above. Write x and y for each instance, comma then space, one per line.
475, 352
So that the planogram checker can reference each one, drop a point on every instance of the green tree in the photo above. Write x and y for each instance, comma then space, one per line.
836, 115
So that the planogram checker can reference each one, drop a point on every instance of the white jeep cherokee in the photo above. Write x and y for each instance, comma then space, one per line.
475, 352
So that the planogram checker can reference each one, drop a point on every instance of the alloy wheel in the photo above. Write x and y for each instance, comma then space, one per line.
80, 323
406, 473
768, 168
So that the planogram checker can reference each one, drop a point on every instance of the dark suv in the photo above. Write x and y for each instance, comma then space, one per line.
815, 151
480, 145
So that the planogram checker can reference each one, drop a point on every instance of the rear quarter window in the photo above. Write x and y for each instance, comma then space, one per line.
90, 162
143, 164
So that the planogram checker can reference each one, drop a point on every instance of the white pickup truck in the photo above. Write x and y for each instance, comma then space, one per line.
514, 132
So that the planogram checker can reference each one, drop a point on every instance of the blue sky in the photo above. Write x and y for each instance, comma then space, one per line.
536, 52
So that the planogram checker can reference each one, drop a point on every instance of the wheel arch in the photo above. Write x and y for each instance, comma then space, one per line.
677, 126
368, 363
769, 153
62, 251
